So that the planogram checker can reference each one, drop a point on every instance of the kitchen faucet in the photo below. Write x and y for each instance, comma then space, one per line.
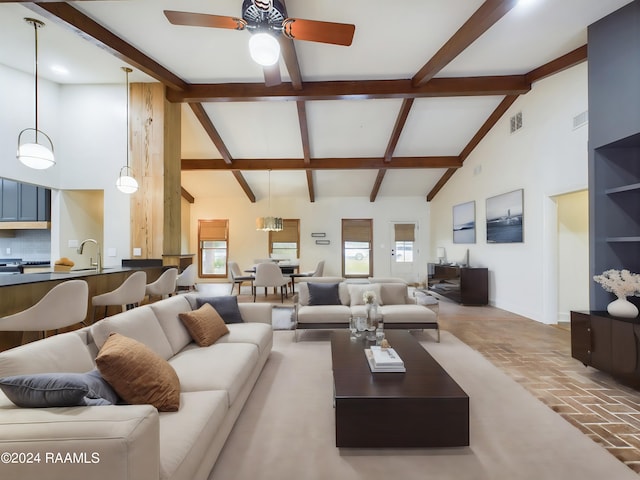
98, 263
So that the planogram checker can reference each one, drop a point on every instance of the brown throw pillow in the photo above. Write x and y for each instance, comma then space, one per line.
205, 325
138, 374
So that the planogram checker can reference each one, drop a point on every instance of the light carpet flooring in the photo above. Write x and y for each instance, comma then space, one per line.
538, 357
286, 430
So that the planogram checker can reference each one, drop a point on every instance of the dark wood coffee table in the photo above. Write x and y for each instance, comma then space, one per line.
423, 407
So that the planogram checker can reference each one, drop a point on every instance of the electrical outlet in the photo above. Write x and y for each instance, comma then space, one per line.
8, 250
137, 252
73, 244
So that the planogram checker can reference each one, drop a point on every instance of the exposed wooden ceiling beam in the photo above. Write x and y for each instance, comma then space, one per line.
444, 179
245, 186
391, 147
484, 18
353, 90
320, 163
477, 138
569, 60
186, 195
208, 126
399, 126
378, 183
312, 190
215, 137
64, 14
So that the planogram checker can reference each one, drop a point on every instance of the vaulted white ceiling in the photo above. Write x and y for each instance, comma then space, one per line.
393, 40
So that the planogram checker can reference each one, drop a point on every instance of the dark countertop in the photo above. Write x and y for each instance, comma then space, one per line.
27, 278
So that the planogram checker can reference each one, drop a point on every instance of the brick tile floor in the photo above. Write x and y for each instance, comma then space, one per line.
538, 357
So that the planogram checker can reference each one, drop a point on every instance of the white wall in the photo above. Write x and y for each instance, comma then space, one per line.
545, 158
324, 215
573, 253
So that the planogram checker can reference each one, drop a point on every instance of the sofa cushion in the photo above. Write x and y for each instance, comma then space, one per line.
43, 390
138, 374
205, 325
140, 324
357, 291
226, 306
393, 293
324, 314
408, 313
303, 292
167, 312
324, 294
222, 366
185, 436
259, 334
44, 356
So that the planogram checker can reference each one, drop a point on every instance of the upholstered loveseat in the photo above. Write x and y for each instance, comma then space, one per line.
329, 311
135, 442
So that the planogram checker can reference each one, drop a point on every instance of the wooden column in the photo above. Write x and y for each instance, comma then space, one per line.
155, 160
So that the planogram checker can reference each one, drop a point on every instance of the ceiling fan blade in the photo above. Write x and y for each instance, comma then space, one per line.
272, 75
316, 31
204, 20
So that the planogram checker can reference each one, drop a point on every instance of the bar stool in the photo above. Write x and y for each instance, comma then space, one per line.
127, 295
64, 305
164, 286
187, 279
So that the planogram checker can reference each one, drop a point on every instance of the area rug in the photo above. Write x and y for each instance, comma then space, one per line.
286, 430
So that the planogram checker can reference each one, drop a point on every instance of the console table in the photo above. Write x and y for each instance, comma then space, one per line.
465, 285
607, 343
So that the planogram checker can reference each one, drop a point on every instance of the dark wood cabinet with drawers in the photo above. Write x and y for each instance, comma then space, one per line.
465, 285
607, 343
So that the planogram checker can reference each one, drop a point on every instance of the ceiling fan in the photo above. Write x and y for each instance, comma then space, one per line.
268, 23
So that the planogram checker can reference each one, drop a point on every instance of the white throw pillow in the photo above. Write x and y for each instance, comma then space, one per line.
356, 292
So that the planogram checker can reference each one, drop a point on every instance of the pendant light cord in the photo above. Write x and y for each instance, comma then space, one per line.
127, 70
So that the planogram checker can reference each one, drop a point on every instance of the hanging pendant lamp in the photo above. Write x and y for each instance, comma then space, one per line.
35, 148
126, 183
269, 224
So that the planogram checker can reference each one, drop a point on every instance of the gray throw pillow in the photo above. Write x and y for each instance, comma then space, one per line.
58, 390
226, 306
324, 293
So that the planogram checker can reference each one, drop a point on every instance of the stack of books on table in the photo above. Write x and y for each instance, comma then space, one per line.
384, 360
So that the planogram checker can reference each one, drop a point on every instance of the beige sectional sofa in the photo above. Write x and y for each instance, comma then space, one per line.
398, 309
136, 442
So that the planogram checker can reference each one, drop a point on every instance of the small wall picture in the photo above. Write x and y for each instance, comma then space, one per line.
505, 214
464, 223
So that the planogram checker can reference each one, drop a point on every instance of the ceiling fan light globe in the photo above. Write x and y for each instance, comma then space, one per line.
264, 49
36, 156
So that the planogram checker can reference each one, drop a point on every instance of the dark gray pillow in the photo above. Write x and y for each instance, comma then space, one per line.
324, 294
226, 306
58, 390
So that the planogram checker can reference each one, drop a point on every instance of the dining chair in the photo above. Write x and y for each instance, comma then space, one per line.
314, 273
164, 286
270, 275
128, 295
187, 279
62, 306
238, 278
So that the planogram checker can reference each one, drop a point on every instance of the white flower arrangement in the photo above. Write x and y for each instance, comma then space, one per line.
369, 296
622, 283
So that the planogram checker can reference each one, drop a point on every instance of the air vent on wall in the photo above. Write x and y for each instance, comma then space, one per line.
516, 122
581, 119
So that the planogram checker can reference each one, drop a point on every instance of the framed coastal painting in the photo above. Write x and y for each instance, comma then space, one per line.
505, 215
464, 223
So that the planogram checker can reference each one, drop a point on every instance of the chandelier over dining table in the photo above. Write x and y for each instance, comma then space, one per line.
269, 223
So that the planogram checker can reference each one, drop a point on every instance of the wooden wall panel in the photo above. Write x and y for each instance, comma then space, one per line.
155, 160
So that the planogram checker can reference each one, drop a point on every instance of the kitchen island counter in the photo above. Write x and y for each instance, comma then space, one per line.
21, 291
